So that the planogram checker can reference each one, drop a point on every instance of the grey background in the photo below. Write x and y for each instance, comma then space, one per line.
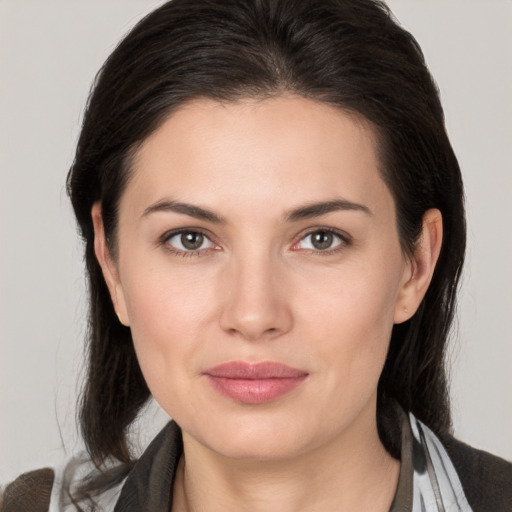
49, 54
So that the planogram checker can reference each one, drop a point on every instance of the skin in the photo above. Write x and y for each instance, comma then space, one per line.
259, 290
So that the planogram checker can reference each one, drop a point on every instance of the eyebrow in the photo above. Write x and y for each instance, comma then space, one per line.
302, 212
186, 209
317, 209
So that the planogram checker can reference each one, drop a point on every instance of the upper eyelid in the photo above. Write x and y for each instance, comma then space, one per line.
343, 235
163, 241
173, 232
338, 232
346, 240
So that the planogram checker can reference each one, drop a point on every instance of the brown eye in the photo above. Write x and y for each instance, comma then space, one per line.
189, 241
322, 240
192, 241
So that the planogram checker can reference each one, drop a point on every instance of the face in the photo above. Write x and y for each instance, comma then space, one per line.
260, 271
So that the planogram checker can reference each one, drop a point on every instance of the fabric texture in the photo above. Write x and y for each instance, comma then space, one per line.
486, 479
432, 481
435, 476
30, 492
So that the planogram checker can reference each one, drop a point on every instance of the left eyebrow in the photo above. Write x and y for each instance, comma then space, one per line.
316, 209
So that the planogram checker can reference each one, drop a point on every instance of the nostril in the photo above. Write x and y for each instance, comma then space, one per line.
254, 311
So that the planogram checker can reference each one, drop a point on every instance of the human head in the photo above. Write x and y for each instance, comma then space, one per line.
347, 53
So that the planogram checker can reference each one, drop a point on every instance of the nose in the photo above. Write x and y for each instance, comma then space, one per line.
256, 305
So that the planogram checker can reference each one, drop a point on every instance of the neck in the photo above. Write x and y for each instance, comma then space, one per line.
353, 472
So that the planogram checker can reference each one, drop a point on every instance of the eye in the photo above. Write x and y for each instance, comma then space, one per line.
320, 240
189, 241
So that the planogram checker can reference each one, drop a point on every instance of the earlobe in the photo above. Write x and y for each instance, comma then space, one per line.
421, 266
108, 265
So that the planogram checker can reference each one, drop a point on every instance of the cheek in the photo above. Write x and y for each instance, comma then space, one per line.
167, 299
168, 315
351, 317
356, 298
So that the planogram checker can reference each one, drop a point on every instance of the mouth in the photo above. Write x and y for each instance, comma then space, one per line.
251, 383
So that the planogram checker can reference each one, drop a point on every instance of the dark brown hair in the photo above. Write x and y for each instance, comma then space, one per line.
347, 53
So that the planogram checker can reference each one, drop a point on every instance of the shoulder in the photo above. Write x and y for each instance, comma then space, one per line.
486, 478
60, 489
30, 492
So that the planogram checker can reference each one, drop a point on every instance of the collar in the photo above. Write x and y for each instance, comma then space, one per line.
149, 484
427, 482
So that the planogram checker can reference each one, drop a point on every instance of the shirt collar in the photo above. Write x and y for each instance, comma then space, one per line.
150, 483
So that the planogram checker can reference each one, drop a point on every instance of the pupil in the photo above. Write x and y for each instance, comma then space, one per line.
192, 241
322, 240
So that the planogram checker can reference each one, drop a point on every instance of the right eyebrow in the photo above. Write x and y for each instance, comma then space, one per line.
191, 210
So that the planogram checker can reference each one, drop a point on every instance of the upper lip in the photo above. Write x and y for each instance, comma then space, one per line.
255, 371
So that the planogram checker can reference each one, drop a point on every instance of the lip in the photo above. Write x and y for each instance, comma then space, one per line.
254, 383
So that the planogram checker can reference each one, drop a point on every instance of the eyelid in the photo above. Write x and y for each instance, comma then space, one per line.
164, 241
345, 238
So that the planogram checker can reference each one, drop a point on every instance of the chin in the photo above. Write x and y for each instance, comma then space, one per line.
258, 447
257, 437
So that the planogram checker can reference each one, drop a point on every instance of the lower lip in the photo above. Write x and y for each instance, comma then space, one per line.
255, 391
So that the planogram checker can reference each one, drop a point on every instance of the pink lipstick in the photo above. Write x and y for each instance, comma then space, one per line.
254, 383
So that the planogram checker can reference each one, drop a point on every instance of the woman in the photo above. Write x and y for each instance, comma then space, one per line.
264, 188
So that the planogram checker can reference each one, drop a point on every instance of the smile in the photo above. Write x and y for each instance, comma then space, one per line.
254, 383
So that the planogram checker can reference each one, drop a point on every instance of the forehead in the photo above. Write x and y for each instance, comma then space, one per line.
257, 150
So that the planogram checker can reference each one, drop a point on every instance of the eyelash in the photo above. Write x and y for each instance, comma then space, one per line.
344, 241
164, 241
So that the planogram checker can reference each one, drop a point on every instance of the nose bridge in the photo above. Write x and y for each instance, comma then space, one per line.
255, 304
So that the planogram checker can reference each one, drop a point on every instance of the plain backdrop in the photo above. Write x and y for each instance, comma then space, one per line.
49, 53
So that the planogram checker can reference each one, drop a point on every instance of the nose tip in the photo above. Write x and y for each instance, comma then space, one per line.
256, 306
251, 327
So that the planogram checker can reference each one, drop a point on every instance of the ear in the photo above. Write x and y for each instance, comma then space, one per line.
420, 267
108, 265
